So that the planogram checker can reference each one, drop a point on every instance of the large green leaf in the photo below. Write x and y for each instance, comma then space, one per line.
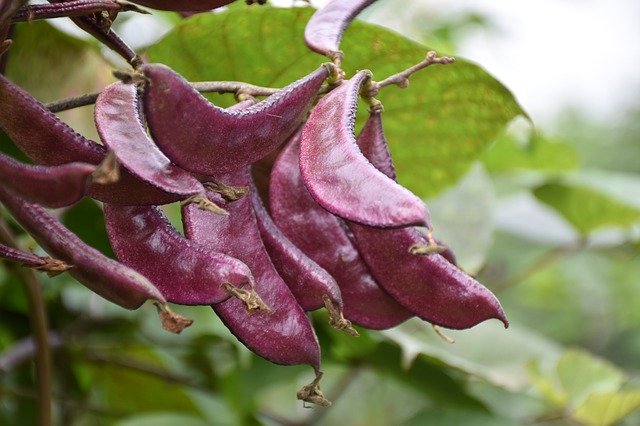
436, 128
582, 374
538, 154
585, 208
607, 408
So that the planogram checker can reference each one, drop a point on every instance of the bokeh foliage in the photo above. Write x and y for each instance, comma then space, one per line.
571, 352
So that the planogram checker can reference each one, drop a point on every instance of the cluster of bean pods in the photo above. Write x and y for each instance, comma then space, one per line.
337, 232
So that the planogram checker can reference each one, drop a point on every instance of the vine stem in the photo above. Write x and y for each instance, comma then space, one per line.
39, 326
545, 260
202, 86
401, 79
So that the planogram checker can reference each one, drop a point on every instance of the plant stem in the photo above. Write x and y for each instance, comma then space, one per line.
38, 319
402, 78
543, 261
203, 87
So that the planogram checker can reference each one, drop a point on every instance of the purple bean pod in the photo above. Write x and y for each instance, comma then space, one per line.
321, 236
117, 115
311, 285
373, 145
340, 178
106, 277
47, 264
324, 30
47, 140
203, 138
185, 272
430, 286
184, 5
50, 186
71, 9
284, 336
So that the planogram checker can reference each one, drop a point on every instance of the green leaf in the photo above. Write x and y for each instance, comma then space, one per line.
123, 382
487, 352
540, 154
581, 374
607, 408
585, 208
161, 419
449, 417
436, 128
86, 220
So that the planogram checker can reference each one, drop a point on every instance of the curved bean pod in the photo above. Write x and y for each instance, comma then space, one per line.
50, 186
184, 272
373, 145
340, 178
102, 275
117, 113
106, 277
285, 335
49, 265
322, 237
311, 285
203, 138
47, 140
184, 5
71, 9
324, 30
430, 286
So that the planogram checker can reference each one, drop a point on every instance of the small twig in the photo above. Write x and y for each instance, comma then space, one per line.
336, 392
38, 319
203, 87
543, 261
84, 405
143, 367
402, 78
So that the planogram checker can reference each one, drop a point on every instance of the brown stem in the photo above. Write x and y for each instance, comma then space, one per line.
543, 261
337, 319
202, 86
402, 78
38, 319
171, 321
229, 193
250, 298
203, 203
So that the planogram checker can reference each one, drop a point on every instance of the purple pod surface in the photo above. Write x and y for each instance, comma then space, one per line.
311, 285
285, 335
185, 273
49, 265
203, 138
373, 145
117, 115
324, 30
106, 277
71, 9
340, 178
50, 186
184, 5
47, 140
321, 236
430, 286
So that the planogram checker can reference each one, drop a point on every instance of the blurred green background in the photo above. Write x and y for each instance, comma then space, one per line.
543, 205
